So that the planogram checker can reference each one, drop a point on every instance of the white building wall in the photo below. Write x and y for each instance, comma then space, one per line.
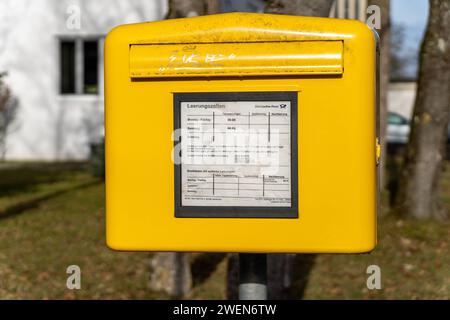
51, 126
401, 98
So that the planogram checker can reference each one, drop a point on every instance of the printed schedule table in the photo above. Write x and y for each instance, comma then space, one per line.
236, 153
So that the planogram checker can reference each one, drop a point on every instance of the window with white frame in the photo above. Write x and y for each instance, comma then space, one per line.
79, 65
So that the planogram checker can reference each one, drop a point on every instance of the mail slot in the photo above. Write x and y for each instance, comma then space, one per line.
236, 59
241, 133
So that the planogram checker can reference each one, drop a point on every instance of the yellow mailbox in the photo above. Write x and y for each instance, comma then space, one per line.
241, 133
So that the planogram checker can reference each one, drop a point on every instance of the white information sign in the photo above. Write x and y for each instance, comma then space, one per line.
236, 153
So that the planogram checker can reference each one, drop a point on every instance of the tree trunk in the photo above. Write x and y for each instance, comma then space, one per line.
8, 112
316, 8
212, 6
232, 290
284, 270
420, 188
185, 8
385, 53
191, 8
279, 271
171, 273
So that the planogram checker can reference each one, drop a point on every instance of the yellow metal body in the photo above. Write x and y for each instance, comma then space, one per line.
330, 63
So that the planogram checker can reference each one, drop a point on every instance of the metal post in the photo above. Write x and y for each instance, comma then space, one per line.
252, 276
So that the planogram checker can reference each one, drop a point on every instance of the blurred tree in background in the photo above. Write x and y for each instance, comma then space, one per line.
401, 56
318, 8
419, 188
171, 272
191, 8
284, 269
385, 54
8, 112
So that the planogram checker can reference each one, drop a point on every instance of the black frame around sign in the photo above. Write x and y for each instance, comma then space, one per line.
238, 211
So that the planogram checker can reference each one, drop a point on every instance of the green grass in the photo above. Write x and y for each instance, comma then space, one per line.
413, 256
64, 227
414, 261
37, 245
25, 183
